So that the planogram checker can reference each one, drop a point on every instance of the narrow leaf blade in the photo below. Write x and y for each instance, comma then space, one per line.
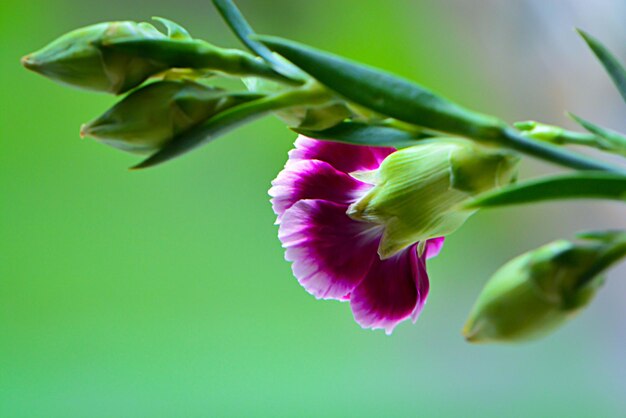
616, 141
215, 127
587, 185
383, 92
611, 64
242, 29
362, 134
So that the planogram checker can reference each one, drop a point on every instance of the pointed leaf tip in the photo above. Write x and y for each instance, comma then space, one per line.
611, 64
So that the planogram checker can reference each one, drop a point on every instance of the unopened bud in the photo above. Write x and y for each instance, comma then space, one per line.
148, 118
79, 59
538, 291
419, 191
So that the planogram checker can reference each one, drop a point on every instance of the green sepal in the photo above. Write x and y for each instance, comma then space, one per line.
611, 64
358, 133
174, 30
583, 185
416, 196
385, 93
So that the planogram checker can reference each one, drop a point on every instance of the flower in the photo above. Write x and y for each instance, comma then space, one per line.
334, 256
419, 192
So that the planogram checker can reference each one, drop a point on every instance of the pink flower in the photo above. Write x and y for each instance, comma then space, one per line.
335, 256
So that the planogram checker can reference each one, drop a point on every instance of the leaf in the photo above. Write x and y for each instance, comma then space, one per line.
362, 134
385, 93
243, 31
218, 125
611, 64
615, 139
587, 185
174, 30
610, 235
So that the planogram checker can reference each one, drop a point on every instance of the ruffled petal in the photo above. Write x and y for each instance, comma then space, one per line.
313, 179
344, 157
331, 253
390, 292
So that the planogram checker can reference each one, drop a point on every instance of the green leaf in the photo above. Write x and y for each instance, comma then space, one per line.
174, 30
610, 235
362, 134
616, 141
608, 60
385, 93
215, 127
587, 185
242, 29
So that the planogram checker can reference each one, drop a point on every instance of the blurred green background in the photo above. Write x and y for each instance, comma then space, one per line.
163, 293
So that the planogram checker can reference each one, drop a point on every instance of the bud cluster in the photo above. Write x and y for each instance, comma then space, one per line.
416, 162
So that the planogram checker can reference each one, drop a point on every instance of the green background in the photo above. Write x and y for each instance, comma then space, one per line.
164, 293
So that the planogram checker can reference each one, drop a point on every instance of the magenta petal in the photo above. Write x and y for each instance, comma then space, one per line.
331, 253
423, 285
434, 246
313, 179
389, 293
344, 157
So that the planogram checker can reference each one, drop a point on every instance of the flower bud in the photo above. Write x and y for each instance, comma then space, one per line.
539, 290
418, 191
148, 118
78, 58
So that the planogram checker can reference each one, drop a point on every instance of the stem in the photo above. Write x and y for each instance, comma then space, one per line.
554, 154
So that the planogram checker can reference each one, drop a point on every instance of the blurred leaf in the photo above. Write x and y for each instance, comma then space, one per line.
174, 30
596, 185
362, 134
608, 60
610, 235
616, 141
243, 30
385, 93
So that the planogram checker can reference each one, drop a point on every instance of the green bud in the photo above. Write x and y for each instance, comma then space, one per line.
538, 291
419, 191
148, 118
314, 118
79, 59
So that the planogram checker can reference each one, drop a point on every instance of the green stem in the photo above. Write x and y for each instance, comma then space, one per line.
554, 154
